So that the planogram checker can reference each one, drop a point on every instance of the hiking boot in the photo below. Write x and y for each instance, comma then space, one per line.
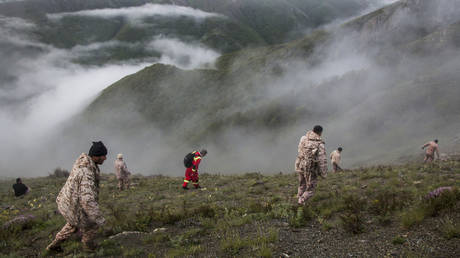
54, 249
185, 187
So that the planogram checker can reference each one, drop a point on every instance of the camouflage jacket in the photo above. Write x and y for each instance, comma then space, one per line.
335, 157
312, 155
78, 199
121, 170
431, 148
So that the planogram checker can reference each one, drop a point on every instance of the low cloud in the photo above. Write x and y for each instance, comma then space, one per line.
181, 54
41, 88
140, 12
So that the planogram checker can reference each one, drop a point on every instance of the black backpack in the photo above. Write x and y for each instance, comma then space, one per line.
188, 159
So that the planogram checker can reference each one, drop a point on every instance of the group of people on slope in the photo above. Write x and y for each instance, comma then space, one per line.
78, 199
311, 161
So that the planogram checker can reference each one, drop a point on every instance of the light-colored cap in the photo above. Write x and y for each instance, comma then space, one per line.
119, 156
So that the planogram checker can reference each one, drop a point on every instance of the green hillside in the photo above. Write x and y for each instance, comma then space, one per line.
243, 24
409, 96
371, 211
277, 21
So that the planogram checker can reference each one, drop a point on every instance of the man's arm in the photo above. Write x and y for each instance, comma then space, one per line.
322, 160
196, 163
436, 150
425, 145
125, 169
88, 201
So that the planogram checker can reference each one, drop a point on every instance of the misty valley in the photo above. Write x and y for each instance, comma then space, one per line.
241, 83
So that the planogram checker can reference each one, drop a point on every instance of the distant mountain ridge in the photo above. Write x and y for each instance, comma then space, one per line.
249, 23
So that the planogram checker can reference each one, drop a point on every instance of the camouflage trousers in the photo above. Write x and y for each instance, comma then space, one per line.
307, 184
428, 158
87, 238
123, 183
336, 167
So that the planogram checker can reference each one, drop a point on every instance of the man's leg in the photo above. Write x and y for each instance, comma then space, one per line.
62, 235
120, 184
338, 168
187, 179
302, 187
88, 237
334, 167
428, 158
311, 185
126, 182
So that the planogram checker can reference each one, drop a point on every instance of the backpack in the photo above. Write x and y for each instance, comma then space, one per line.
188, 159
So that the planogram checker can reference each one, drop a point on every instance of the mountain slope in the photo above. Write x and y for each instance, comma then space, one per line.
242, 24
271, 94
371, 211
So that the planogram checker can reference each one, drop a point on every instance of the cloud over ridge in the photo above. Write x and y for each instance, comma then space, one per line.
140, 12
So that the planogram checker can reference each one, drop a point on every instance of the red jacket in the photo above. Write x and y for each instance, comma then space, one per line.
195, 163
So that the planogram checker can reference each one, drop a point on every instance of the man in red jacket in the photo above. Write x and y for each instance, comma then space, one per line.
191, 173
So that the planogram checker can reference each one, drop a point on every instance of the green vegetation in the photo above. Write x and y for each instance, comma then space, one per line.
251, 215
243, 24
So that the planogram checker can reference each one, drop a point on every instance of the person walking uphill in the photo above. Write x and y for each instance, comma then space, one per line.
191, 162
311, 162
432, 147
122, 173
78, 199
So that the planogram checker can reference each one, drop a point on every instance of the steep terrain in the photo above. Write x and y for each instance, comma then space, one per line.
372, 212
393, 95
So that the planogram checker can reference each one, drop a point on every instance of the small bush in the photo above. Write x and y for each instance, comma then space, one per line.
412, 217
430, 207
265, 251
450, 229
352, 223
446, 200
389, 200
399, 240
233, 244
302, 215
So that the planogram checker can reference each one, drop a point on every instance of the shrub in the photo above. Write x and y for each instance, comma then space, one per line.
352, 223
450, 229
351, 218
412, 217
389, 200
232, 244
302, 215
399, 240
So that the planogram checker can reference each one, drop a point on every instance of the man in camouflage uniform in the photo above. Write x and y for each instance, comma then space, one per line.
78, 199
431, 148
122, 173
311, 162
335, 159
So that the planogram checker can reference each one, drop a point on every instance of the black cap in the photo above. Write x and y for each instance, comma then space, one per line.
97, 149
318, 129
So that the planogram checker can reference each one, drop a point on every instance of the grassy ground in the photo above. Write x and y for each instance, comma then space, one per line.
375, 212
